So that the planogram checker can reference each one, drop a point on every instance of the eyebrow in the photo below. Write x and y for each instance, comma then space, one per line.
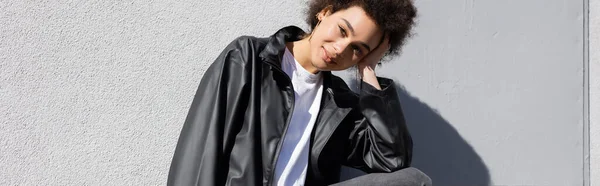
352, 31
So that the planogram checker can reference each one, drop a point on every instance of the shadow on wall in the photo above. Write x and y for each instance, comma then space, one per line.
439, 151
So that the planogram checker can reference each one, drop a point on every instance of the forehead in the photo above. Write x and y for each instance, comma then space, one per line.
365, 28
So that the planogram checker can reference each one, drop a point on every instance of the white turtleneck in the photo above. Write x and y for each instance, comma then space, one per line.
293, 156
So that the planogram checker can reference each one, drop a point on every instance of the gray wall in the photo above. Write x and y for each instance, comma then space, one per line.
594, 88
96, 93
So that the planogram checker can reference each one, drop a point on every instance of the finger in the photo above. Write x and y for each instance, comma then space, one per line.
381, 50
373, 65
386, 39
386, 42
373, 58
384, 46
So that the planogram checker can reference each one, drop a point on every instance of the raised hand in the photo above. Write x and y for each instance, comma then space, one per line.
366, 67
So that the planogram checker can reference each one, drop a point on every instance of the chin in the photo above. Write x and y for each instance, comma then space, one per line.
321, 65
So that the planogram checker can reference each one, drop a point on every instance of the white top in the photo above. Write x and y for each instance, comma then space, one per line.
293, 157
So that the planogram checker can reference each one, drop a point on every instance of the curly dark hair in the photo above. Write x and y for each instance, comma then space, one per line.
394, 17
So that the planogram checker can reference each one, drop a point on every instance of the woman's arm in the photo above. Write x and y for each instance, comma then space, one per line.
380, 141
201, 145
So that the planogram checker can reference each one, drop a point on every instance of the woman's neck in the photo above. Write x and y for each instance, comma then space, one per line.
301, 51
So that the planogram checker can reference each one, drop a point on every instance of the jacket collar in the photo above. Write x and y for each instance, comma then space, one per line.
273, 51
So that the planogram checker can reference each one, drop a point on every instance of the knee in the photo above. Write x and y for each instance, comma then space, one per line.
416, 176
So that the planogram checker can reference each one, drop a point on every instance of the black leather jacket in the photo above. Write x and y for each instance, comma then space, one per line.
235, 126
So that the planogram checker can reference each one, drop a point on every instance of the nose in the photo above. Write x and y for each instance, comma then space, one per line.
340, 47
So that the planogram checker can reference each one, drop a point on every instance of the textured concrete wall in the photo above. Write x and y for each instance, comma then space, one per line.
594, 95
494, 91
95, 93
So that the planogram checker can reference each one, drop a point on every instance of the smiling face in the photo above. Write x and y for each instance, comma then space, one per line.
343, 38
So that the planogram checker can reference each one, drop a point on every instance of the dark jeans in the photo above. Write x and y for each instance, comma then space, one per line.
405, 177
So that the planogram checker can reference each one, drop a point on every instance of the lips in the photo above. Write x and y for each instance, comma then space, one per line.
326, 57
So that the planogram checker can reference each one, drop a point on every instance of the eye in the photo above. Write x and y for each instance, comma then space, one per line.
342, 31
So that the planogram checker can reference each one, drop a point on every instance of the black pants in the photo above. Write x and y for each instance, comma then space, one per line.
405, 177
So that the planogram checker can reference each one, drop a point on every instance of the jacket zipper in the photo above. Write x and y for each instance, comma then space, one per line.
272, 176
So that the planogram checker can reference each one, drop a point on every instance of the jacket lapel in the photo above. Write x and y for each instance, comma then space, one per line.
330, 116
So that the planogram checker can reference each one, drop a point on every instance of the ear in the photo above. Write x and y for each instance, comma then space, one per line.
325, 12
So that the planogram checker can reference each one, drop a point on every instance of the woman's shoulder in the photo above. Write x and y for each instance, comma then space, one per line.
243, 50
247, 43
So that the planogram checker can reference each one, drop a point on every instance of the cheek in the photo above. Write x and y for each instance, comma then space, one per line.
315, 49
351, 59
347, 64
325, 33
316, 44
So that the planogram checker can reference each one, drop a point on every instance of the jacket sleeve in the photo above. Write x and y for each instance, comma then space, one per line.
203, 139
380, 141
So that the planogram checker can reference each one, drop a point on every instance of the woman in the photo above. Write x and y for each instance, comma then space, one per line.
268, 111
